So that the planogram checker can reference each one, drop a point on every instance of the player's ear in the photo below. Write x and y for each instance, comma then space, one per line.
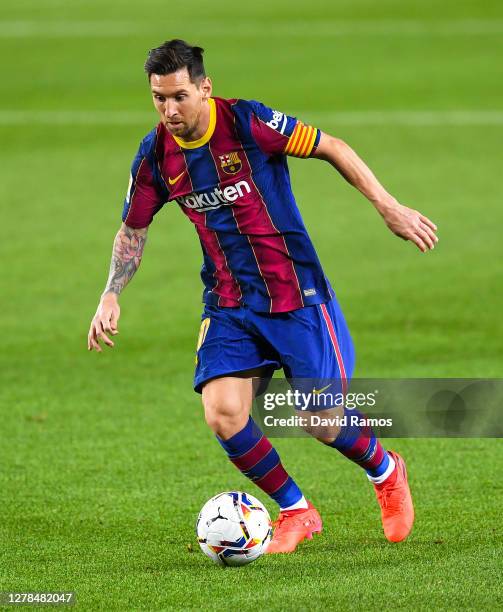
206, 87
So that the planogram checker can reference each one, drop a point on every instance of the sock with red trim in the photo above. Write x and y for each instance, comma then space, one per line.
358, 443
252, 453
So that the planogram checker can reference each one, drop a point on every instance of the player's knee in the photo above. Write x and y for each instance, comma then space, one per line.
225, 419
324, 425
225, 414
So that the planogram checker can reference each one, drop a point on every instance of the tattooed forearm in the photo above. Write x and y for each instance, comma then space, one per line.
126, 257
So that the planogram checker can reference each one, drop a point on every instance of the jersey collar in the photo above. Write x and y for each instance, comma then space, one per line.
193, 144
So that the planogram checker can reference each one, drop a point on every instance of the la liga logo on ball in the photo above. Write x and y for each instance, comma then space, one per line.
233, 528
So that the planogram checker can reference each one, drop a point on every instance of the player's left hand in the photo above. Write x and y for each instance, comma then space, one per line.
411, 225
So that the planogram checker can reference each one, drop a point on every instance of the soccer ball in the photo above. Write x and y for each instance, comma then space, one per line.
233, 528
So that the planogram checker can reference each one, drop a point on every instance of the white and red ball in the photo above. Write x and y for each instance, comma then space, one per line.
233, 528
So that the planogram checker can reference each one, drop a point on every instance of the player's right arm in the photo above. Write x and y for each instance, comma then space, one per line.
126, 258
145, 197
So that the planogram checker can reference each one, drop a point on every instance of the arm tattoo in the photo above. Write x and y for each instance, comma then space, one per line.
126, 258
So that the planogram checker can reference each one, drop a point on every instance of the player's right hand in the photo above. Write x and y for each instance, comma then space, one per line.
104, 322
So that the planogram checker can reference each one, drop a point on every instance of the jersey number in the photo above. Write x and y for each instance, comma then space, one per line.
203, 330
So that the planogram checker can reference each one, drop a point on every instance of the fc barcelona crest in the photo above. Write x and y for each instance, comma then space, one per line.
230, 163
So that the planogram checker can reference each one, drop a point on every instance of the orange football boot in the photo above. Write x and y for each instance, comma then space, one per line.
393, 495
292, 527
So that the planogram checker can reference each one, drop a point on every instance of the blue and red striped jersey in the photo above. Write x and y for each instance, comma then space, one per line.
234, 185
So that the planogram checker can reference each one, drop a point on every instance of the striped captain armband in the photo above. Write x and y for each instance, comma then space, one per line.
301, 141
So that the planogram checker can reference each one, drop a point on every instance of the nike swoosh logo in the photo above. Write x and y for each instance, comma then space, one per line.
173, 181
318, 391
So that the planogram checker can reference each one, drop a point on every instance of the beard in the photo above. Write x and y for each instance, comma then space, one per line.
183, 129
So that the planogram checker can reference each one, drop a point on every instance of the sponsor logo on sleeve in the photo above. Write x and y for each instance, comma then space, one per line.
278, 121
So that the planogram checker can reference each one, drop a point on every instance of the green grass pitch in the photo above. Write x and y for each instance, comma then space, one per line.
105, 459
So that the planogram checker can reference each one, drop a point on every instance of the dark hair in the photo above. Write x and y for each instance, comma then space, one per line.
174, 55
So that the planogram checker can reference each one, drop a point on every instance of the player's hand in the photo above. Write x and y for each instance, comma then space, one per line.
411, 225
104, 323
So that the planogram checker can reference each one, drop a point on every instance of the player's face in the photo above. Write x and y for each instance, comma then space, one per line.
180, 103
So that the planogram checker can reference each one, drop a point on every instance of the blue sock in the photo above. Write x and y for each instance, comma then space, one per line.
358, 443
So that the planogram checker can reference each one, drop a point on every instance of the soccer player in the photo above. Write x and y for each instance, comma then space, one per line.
267, 302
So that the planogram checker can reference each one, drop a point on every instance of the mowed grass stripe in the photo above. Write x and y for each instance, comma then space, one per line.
255, 28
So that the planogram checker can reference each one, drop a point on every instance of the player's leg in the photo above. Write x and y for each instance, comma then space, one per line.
357, 442
227, 402
314, 344
227, 358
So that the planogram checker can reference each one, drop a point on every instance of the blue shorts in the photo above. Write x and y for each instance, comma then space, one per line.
311, 342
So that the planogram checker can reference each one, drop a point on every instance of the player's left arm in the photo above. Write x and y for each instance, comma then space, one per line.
405, 222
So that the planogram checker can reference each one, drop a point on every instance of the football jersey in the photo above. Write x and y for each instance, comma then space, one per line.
233, 184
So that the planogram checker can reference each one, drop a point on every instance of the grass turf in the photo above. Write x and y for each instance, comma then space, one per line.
106, 459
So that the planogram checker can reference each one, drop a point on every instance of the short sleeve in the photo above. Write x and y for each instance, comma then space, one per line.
144, 198
277, 133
